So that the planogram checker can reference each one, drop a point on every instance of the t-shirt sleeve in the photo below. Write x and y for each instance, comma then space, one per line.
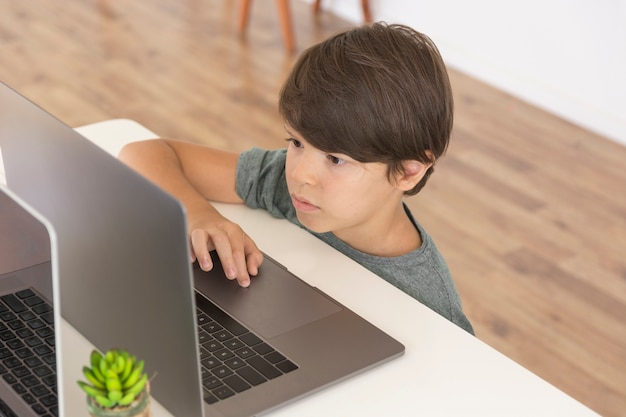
261, 181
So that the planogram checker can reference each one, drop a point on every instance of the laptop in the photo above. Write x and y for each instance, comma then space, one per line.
119, 256
27, 336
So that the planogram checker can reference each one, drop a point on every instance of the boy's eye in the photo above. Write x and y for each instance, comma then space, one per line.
295, 142
336, 161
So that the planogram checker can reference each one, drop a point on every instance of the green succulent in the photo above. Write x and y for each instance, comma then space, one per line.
115, 379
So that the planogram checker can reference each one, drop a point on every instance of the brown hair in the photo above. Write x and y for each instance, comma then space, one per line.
377, 93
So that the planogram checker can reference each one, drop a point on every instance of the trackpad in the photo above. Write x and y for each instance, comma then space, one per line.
274, 303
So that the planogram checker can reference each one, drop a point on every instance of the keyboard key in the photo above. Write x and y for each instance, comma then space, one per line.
204, 353
286, 366
14, 303
50, 359
19, 388
250, 375
30, 381
33, 341
27, 315
9, 378
250, 339
236, 383
211, 327
275, 357
29, 398
24, 353
39, 390
42, 350
264, 367
42, 371
204, 337
49, 400
20, 371
211, 382
25, 293
7, 335
223, 392
32, 361
223, 354
222, 335
234, 344
210, 398
15, 344
25, 333
36, 324
48, 317
50, 380
211, 362
263, 349
7, 316
201, 318
221, 371
5, 353
39, 409
33, 301
45, 332
245, 353
42, 308
219, 316
11, 362
232, 357
235, 363
16, 324
212, 346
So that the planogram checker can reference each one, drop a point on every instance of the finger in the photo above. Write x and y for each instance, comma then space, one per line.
200, 249
254, 257
232, 258
239, 257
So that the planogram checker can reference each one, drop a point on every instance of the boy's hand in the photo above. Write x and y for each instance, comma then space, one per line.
182, 169
238, 254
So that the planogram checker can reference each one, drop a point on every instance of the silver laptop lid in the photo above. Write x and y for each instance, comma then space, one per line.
115, 233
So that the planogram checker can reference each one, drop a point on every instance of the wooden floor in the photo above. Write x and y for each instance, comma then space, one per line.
529, 210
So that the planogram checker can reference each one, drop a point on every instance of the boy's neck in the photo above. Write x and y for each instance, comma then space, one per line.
396, 237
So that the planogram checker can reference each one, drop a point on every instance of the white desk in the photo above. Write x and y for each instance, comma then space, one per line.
444, 372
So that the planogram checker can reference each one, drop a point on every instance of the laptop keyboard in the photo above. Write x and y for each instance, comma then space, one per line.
233, 358
27, 358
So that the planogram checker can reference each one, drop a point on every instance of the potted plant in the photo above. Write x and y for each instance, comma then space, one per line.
117, 385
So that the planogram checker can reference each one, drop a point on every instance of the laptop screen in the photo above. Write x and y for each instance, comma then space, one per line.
117, 236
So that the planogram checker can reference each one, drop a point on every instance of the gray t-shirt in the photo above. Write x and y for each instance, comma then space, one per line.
422, 273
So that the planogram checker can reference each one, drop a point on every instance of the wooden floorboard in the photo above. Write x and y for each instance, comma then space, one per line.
528, 209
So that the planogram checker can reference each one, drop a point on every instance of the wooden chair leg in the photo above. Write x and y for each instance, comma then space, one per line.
244, 12
365, 5
284, 14
367, 14
316, 6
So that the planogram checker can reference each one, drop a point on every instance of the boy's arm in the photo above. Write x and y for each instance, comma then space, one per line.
195, 174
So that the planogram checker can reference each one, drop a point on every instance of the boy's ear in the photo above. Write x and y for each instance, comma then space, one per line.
413, 172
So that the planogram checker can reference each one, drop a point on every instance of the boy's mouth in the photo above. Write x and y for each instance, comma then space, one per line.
302, 204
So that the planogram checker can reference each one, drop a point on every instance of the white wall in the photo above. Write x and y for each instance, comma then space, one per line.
565, 56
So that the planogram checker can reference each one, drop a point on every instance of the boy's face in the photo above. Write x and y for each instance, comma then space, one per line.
335, 193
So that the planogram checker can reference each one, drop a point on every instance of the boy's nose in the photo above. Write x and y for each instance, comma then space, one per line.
303, 169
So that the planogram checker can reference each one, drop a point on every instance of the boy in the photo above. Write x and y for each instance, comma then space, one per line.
367, 113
